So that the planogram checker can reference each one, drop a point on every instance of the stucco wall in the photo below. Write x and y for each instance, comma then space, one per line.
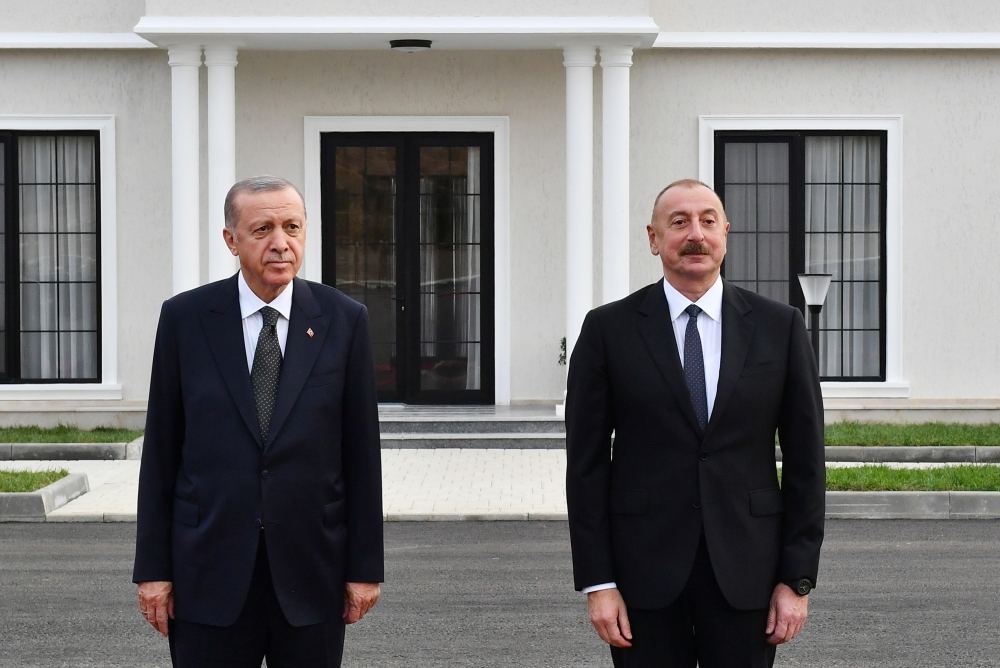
951, 286
75, 16
397, 8
275, 90
825, 16
135, 88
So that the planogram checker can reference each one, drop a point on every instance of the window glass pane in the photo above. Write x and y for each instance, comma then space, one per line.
741, 163
823, 159
822, 208
58, 246
78, 306
772, 252
77, 355
39, 355
772, 162
741, 257
741, 207
772, 208
38, 257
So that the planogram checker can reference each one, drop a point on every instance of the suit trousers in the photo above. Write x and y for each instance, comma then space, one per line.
261, 631
699, 628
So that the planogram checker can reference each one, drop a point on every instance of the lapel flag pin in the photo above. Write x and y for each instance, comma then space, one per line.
310, 332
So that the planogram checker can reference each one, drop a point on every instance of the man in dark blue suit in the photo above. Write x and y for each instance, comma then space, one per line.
260, 511
689, 550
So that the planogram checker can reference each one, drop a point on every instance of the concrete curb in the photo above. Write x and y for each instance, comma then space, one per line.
913, 505
902, 454
62, 451
34, 506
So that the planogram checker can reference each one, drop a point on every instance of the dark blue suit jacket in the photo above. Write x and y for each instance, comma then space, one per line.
636, 515
209, 485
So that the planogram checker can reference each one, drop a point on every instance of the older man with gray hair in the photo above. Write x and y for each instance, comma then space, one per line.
259, 530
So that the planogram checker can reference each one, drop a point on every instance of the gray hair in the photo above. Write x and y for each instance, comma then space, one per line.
255, 184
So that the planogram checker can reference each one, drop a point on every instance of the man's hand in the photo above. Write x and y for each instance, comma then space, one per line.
156, 603
606, 608
786, 615
359, 598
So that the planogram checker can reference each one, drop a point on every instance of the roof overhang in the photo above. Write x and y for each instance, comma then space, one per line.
360, 33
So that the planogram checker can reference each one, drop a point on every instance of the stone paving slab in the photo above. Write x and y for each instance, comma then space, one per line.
491, 484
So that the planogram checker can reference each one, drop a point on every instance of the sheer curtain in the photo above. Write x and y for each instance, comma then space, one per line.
843, 237
58, 247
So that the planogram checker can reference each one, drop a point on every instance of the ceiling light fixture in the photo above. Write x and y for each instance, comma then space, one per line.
410, 45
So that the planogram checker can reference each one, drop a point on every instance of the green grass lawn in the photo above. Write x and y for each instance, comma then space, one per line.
28, 481
928, 433
966, 478
64, 434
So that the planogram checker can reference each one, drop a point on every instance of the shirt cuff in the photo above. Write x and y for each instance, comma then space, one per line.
606, 585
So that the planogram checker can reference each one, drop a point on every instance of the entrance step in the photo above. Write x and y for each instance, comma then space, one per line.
491, 440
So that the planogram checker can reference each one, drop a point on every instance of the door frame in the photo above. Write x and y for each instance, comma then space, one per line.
499, 126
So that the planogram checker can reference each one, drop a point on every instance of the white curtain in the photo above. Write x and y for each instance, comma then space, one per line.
843, 233
58, 248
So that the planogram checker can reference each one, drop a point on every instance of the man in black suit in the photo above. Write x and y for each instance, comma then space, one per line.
260, 507
687, 548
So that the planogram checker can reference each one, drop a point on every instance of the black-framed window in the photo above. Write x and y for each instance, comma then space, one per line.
812, 201
50, 257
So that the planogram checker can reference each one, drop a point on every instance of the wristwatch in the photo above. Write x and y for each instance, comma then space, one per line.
801, 586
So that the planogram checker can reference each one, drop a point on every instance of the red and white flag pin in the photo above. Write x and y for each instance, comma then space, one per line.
310, 332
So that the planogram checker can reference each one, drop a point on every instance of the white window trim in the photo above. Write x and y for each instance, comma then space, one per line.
109, 388
895, 384
500, 127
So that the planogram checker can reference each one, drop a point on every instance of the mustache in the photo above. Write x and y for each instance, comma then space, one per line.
693, 248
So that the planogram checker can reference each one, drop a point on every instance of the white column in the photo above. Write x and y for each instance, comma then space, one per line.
615, 64
184, 63
221, 64
579, 63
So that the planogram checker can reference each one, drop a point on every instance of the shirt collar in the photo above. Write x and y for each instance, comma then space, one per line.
251, 303
710, 302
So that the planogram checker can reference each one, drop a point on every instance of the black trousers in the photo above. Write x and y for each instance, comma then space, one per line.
261, 631
699, 628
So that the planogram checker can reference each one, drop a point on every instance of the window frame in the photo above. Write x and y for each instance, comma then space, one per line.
795, 140
108, 386
895, 383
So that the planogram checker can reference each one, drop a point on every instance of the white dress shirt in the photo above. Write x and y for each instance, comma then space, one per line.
710, 331
253, 321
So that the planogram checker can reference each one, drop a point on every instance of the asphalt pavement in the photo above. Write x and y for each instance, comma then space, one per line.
892, 594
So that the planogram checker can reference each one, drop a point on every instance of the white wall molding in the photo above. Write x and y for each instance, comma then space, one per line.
500, 127
827, 40
73, 40
895, 384
108, 388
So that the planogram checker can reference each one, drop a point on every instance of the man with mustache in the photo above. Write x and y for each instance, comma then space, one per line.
259, 531
688, 549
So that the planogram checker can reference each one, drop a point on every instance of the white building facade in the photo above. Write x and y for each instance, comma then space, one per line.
481, 195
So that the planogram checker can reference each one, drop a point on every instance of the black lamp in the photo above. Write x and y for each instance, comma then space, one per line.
814, 289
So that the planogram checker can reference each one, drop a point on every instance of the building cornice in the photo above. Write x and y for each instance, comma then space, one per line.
827, 40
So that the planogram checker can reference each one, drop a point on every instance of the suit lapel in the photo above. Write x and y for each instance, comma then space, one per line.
737, 332
301, 351
224, 331
657, 333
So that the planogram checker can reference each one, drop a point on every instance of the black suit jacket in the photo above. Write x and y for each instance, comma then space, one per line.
638, 507
209, 484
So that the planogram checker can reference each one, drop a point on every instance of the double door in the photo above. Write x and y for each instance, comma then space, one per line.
408, 231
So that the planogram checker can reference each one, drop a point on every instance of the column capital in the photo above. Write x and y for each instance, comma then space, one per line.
616, 56
220, 55
579, 56
184, 55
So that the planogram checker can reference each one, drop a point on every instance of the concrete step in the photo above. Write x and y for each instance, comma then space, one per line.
492, 441
470, 425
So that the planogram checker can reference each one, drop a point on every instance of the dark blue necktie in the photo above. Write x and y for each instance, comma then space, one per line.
694, 366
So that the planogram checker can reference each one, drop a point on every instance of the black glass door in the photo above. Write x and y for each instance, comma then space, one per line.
408, 231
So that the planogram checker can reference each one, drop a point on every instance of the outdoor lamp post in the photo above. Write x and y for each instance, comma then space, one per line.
814, 289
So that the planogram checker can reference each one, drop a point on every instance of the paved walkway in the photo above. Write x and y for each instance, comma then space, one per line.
464, 484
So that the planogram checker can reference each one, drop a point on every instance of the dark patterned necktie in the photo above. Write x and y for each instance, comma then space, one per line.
266, 369
694, 366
